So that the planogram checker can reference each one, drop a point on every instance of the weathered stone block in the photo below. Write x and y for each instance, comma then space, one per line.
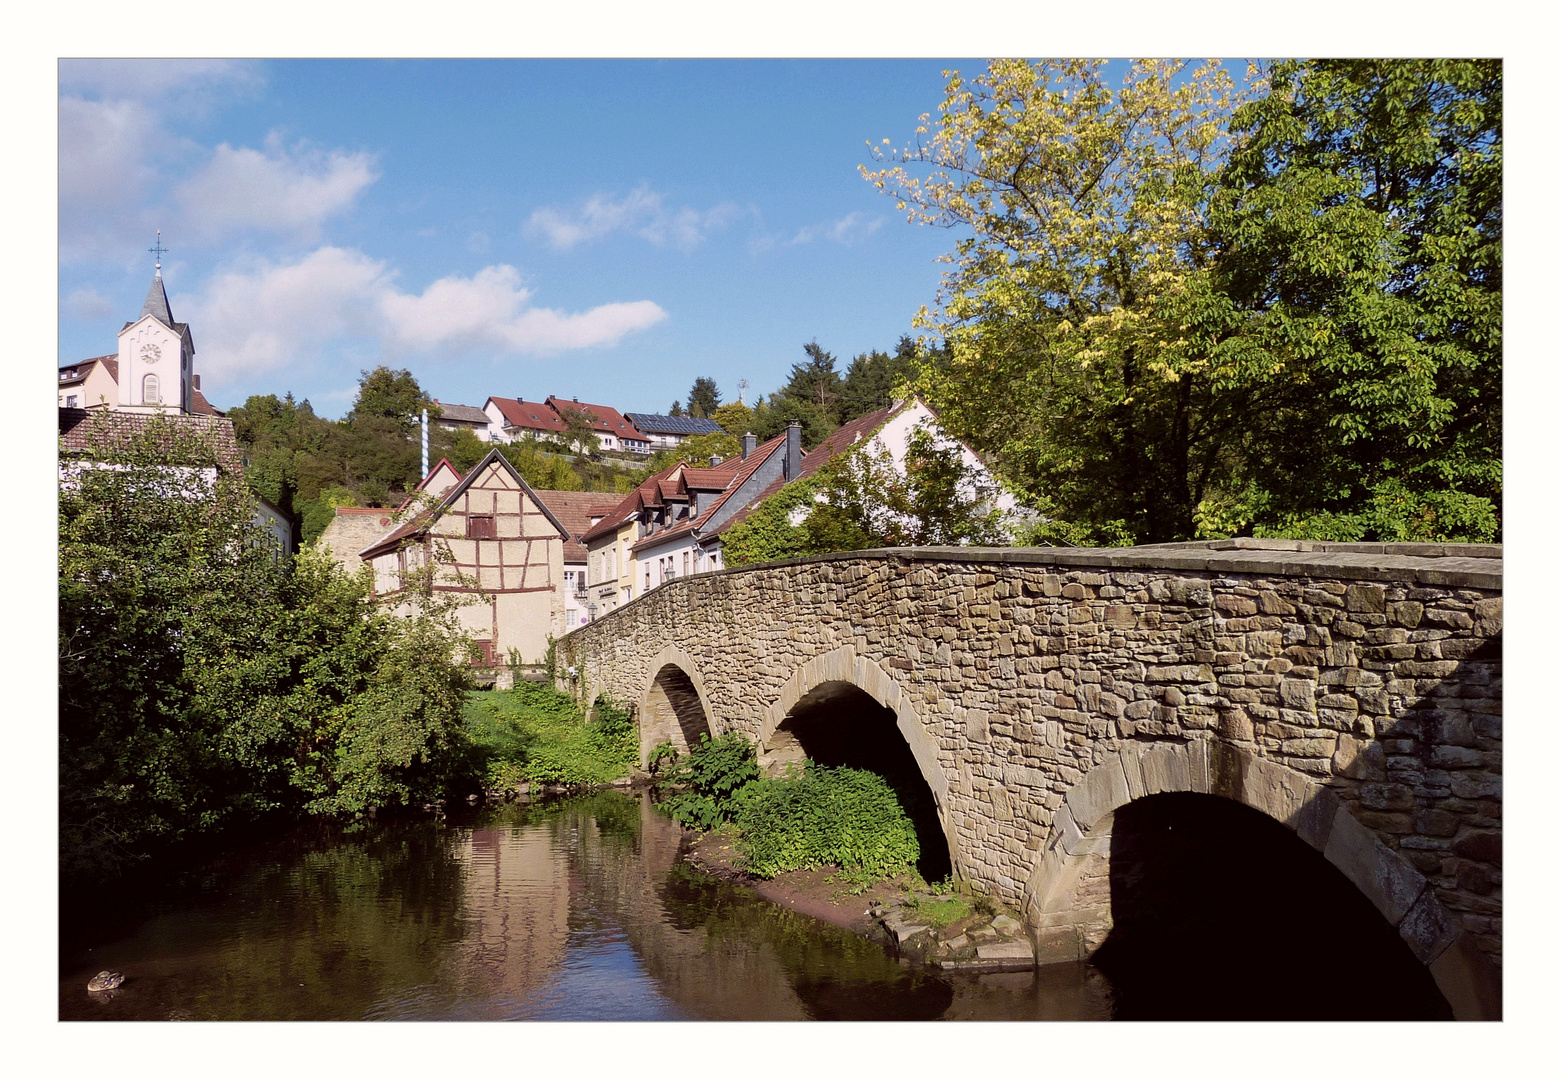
1427, 929
1165, 768
1391, 884
1103, 789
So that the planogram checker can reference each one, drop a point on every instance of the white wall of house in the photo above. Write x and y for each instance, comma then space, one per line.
895, 437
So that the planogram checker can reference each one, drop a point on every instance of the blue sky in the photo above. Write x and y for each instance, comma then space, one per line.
602, 229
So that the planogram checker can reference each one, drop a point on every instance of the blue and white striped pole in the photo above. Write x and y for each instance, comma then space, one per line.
425, 442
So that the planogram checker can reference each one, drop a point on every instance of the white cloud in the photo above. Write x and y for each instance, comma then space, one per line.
104, 174
270, 316
279, 190
642, 212
89, 305
847, 230
143, 79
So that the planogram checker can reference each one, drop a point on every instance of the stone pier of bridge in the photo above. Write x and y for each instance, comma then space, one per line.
1350, 692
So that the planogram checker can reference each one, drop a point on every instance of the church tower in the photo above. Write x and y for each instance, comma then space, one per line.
156, 356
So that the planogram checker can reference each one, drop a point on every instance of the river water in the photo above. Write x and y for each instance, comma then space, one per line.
572, 910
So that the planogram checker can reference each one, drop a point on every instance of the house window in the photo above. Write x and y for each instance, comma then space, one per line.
70, 401
149, 394
685, 564
479, 527
647, 576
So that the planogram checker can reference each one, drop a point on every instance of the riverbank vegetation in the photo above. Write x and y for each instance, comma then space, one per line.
810, 818
533, 734
206, 683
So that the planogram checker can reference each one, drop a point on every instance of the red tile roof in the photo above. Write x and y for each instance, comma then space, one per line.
200, 406
575, 510
107, 431
520, 413
837, 442
631, 504
83, 368
608, 421
743, 470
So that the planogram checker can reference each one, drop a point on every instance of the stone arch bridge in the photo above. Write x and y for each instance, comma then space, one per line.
1349, 692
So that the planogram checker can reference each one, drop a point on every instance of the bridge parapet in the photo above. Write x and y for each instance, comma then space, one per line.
1363, 678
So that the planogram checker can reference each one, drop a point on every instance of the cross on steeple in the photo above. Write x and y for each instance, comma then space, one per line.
158, 250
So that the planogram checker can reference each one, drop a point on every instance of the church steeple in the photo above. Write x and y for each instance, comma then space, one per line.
157, 301
157, 297
156, 354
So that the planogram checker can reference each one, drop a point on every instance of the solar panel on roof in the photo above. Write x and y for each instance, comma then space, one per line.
655, 423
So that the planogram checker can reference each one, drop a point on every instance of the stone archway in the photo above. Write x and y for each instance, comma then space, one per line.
817, 678
673, 706
1066, 922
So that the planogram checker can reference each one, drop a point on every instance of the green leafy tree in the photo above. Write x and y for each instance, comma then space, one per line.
579, 435
1360, 222
1062, 316
205, 682
703, 398
872, 379
392, 395
815, 380
734, 417
1187, 311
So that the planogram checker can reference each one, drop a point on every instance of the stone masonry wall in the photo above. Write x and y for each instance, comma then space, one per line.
1374, 672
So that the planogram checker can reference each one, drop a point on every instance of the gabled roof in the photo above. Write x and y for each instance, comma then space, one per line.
712, 479
632, 503
520, 413
842, 439
106, 431
462, 414
608, 421
199, 405
82, 368
575, 509
741, 471
420, 522
657, 424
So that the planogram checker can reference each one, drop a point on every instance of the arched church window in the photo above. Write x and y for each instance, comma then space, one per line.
149, 394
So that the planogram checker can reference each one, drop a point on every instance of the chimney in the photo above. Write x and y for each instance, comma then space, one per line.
715, 459
793, 464
197, 379
750, 440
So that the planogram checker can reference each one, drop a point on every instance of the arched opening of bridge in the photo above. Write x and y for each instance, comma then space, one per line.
672, 712
1220, 912
837, 723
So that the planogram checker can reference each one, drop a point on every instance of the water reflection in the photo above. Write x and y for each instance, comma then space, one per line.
574, 910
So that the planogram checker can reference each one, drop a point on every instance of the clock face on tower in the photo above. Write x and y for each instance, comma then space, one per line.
150, 353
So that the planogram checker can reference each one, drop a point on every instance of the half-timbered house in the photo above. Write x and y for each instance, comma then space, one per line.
488, 536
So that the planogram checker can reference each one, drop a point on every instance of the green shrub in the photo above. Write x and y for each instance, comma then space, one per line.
710, 779
846, 817
535, 734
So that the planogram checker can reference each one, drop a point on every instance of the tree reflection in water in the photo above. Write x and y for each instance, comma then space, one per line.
577, 909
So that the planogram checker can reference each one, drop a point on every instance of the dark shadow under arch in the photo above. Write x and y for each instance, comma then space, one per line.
838, 723
672, 712
1220, 912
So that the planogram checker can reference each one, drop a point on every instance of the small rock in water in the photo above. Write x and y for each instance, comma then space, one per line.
105, 980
